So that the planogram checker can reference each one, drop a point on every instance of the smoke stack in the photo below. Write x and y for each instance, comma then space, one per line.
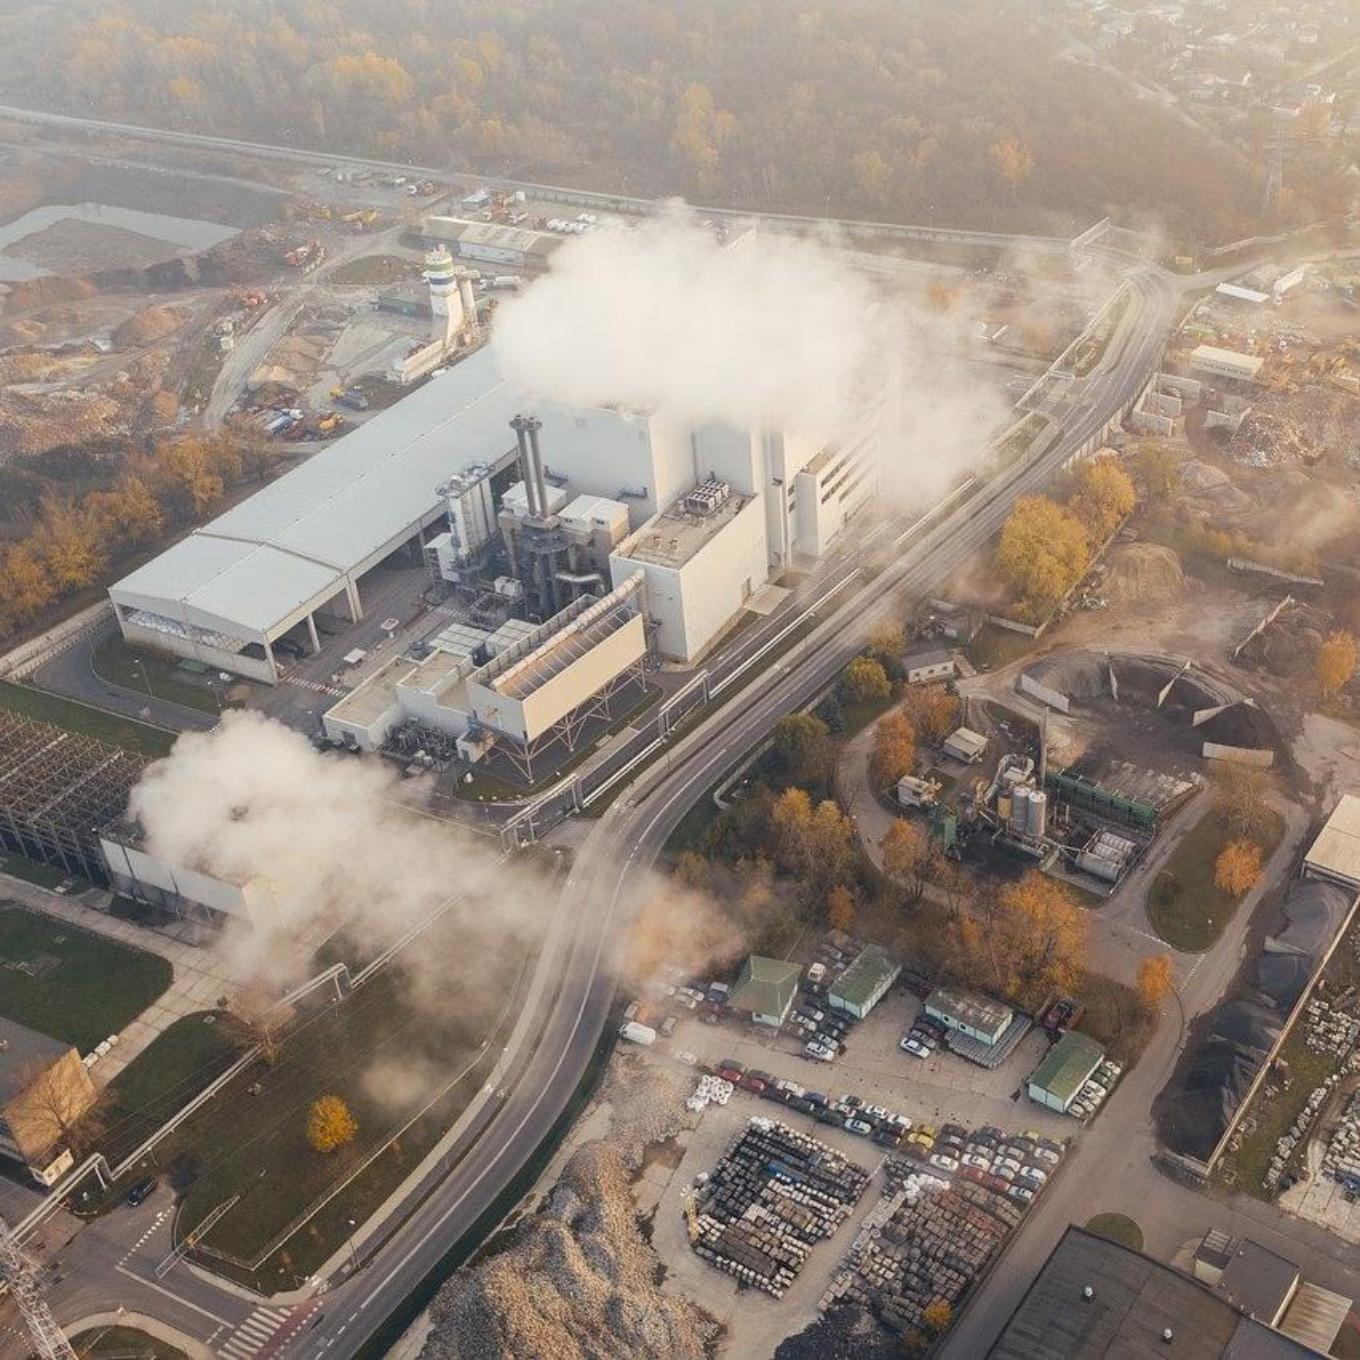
469, 301
520, 425
534, 425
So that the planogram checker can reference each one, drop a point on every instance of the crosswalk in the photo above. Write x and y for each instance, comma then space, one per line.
254, 1334
316, 685
156, 1225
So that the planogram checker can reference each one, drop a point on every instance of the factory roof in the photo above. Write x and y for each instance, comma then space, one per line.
1240, 294
1257, 1280
1134, 1301
24, 1055
523, 239
928, 657
1336, 852
592, 509
1229, 358
1067, 1065
294, 540
674, 537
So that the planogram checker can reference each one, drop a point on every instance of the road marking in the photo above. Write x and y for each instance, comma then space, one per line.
170, 1294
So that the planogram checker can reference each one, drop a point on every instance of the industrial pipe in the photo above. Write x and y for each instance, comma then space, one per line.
534, 425
520, 425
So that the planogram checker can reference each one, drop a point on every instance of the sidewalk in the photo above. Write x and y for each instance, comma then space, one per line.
200, 975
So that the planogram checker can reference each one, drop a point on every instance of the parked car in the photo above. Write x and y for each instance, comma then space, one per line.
140, 1191
754, 1081
978, 1163
911, 1044
851, 1100
803, 1106
1033, 1173
887, 1137
875, 1112
809, 1012
830, 1115
729, 1069
921, 1139
995, 1183
944, 1161
860, 1127
1047, 1153
688, 1058
971, 1173
820, 1052
1022, 1193
817, 1098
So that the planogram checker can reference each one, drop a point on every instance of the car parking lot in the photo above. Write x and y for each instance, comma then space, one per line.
942, 1086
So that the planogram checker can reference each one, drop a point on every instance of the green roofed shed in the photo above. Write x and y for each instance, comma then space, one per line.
1065, 1070
865, 982
767, 988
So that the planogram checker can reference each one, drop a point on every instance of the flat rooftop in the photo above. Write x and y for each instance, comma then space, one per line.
295, 539
977, 1012
1134, 1301
1336, 852
377, 695
673, 537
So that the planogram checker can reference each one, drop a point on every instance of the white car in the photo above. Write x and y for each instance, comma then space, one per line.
1033, 1173
944, 1161
1004, 1171
860, 1127
1022, 1193
820, 1051
914, 1046
1047, 1154
688, 1058
876, 1112
977, 1160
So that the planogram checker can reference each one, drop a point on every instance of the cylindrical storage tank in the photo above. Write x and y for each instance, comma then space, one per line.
1038, 815
1003, 807
1020, 810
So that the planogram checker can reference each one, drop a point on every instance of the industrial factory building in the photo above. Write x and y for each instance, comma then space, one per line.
464, 470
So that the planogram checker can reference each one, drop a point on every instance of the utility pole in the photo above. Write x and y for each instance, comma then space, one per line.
48, 1340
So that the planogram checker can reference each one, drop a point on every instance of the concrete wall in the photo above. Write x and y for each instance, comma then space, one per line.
605, 452
1028, 685
532, 716
134, 871
693, 603
1261, 757
729, 454
256, 668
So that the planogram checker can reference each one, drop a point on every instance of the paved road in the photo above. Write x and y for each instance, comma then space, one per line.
561, 1026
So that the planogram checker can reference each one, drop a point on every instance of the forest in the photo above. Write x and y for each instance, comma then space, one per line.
961, 112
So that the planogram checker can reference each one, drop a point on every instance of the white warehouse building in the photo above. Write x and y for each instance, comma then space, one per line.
712, 513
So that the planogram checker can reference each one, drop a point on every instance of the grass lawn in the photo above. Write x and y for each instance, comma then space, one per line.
371, 269
994, 647
1245, 1168
1118, 1228
123, 1343
31, 871
380, 1052
1186, 908
42, 706
120, 664
163, 1078
81, 987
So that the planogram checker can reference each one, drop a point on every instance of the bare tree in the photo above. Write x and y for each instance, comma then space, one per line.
255, 1020
57, 1103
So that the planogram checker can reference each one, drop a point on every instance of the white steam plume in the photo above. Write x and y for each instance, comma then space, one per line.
775, 332
665, 318
333, 848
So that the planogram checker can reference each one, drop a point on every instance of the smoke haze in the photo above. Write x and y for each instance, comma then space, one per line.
327, 838
772, 332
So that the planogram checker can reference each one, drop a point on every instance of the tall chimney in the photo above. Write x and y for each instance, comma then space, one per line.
520, 425
534, 425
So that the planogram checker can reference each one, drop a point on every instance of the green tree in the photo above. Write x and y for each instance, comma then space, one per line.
1043, 551
865, 681
802, 747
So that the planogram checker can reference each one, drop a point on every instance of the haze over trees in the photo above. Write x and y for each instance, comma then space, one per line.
957, 110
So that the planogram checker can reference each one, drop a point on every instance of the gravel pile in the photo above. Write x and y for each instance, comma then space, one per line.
148, 326
1144, 573
579, 1280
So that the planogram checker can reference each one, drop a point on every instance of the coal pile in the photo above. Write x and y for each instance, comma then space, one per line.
773, 1196
1241, 724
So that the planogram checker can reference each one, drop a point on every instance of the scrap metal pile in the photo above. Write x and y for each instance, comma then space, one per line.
1342, 1159
1286, 1146
773, 1196
1331, 1029
925, 1243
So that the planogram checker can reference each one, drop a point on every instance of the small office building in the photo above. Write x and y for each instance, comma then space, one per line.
865, 982
967, 1013
1066, 1068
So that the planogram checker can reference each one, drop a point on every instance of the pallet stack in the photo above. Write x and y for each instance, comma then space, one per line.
773, 1195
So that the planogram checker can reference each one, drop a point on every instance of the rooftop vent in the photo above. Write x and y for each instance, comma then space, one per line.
1087, 1292
1168, 1336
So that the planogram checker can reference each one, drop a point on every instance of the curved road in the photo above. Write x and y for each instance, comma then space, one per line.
611, 869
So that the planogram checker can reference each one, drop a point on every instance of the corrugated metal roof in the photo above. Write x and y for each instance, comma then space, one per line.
866, 977
766, 986
1067, 1065
1336, 852
299, 535
1315, 1315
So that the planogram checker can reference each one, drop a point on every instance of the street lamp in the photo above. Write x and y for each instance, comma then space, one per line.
353, 1255
146, 678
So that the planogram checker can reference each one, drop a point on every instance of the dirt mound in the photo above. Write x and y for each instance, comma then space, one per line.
1211, 487
1288, 647
148, 326
579, 1284
1144, 573
579, 1280
1077, 674
45, 291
